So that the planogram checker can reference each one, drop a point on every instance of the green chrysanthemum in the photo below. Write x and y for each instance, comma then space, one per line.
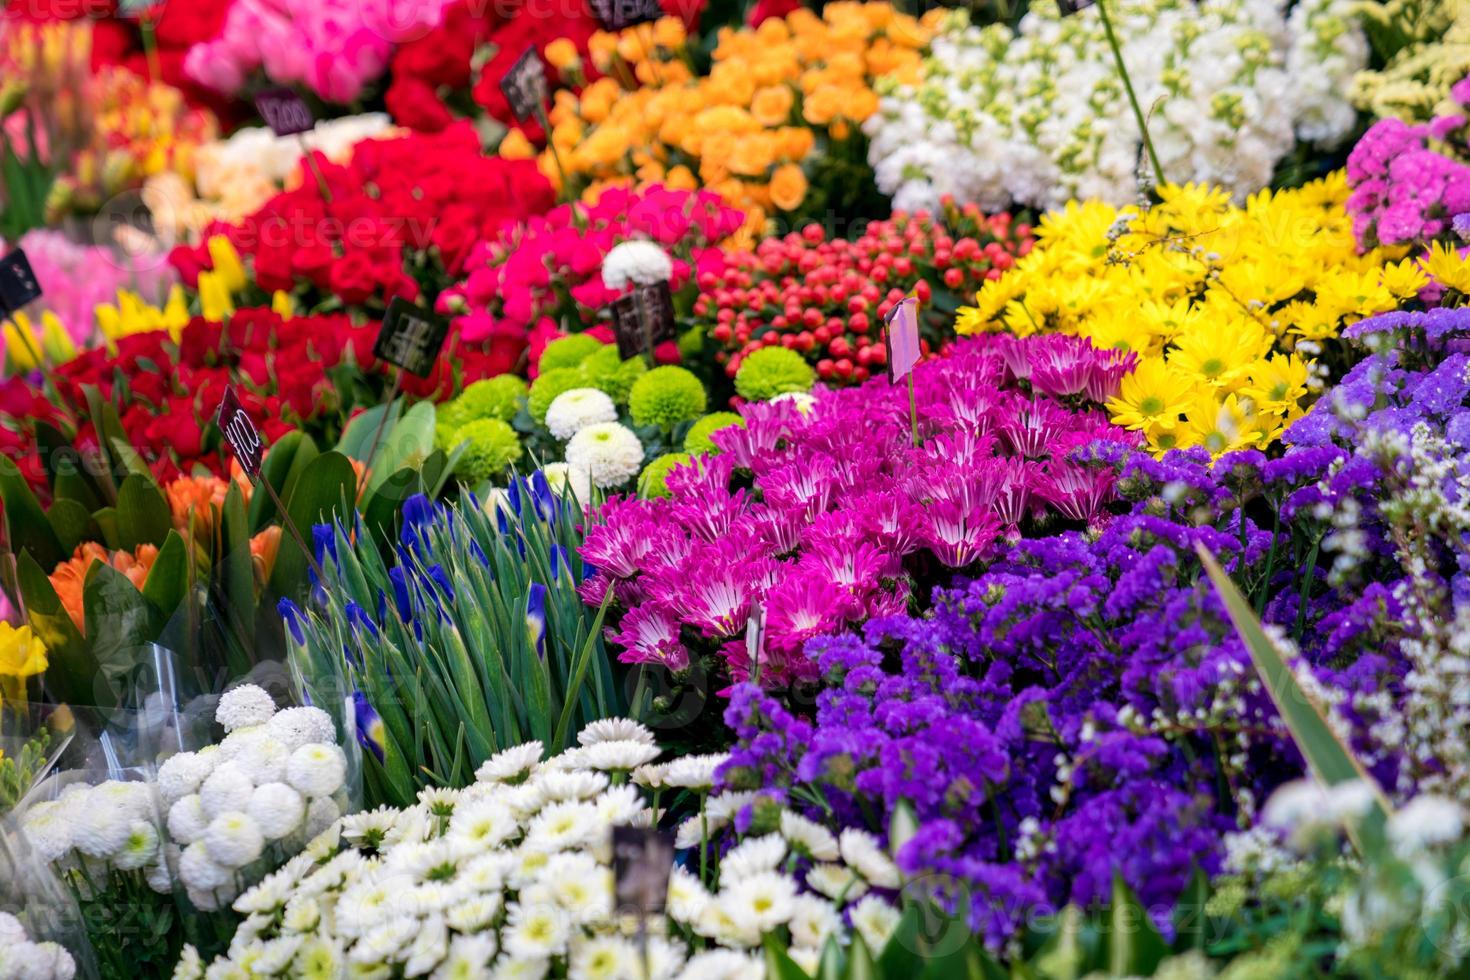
492, 398
490, 446
568, 352
607, 372
666, 396
546, 387
653, 481
698, 438
773, 371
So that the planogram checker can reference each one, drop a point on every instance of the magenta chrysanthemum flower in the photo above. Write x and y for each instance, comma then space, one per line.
650, 635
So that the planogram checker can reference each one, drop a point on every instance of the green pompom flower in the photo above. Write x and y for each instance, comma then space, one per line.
666, 396
546, 387
653, 481
492, 398
490, 446
607, 372
698, 438
773, 371
568, 352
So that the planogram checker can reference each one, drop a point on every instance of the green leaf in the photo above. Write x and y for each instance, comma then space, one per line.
119, 621
902, 826
358, 435
73, 524
283, 465
900, 955
780, 966
143, 515
326, 487
235, 569
1191, 924
167, 585
66, 469
1070, 950
970, 962
382, 506
1330, 761
69, 673
829, 967
860, 965
1133, 947
27, 528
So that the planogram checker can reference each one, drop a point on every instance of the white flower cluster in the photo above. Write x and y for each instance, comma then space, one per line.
1041, 117
277, 780
512, 876
640, 262
97, 830
574, 410
608, 452
21, 959
257, 150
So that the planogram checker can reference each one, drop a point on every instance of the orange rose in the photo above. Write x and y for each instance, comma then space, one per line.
752, 155
771, 106
70, 576
822, 106
788, 187
680, 179
561, 54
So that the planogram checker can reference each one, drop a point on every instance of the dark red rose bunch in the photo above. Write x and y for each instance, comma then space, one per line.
398, 220
826, 298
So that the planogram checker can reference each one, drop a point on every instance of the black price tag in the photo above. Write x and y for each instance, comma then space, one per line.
241, 433
643, 858
525, 85
135, 8
616, 15
285, 112
1070, 7
18, 284
411, 337
644, 319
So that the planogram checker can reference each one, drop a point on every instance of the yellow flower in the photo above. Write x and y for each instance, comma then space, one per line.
282, 305
1219, 354
22, 655
1448, 267
561, 54
227, 264
771, 106
1153, 395
1277, 383
788, 187
1404, 279
1219, 426
21, 350
515, 146
214, 298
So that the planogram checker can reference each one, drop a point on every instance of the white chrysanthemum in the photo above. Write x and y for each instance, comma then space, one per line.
321, 813
37, 961
536, 931
320, 958
475, 914
723, 964
468, 959
385, 944
510, 765
227, 788
277, 810
513, 968
617, 756
609, 452
875, 920
232, 840
370, 827
556, 785
562, 826
691, 832
812, 920
803, 400
243, 706
295, 727
187, 820
565, 478
483, 824
182, 774
134, 800
1425, 821
751, 857
649, 777
440, 801
316, 770
266, 761
266, 898
580, 885
139, 849
99, 832
575, 409
606, 958
48, 827
428, 948
808, 837
638, 262
836, 881
190, 965
199, 871
687, 898
487, 873
11, 931
367, 904
696, 772
615, 730
760, 902
303, 914
523, 800
862, 851
620, 805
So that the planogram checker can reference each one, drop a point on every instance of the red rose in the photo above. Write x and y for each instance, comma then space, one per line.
413, 103
177, 429
354, 278
766, 9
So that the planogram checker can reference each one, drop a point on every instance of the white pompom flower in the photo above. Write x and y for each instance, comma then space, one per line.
574, 410
139, 848
233, 840
182, 774
564, 478
244, 706
187, 820
295, 727
316, 770
199, 872
100, 832
227, 788
609, 451
638, 262
277, 810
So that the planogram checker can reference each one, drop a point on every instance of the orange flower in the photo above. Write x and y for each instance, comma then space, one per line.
771, 106
823, 105
263, 549
788, 187
70, 577
752, 155
195, 497
561, 54
515, 146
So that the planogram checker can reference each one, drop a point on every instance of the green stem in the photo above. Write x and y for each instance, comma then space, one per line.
1148, 143
1301, 608
913, 412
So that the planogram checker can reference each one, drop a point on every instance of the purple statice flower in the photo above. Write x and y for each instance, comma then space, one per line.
828, 517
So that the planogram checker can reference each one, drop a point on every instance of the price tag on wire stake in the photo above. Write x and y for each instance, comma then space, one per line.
284, 111
18, 283
240, 432
643, 858
644, 319
524, 86
1070, 7
411, 337
617, 15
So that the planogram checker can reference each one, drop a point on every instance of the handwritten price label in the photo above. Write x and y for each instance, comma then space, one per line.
616, 15
18, 284
411, 338
644, 319
241, 433
285, 112
524, 85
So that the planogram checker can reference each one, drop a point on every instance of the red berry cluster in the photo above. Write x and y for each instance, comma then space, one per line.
827, 298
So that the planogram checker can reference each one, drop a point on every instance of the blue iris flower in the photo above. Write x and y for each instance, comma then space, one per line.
536, 618
372, 734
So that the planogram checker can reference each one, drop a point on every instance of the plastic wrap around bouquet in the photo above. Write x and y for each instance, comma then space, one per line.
41, 932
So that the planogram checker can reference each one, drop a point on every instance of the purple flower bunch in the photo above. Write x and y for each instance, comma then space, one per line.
1083, 706
1409, 182
826, 515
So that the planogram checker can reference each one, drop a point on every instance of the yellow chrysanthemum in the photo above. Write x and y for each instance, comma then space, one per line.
1448, 267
